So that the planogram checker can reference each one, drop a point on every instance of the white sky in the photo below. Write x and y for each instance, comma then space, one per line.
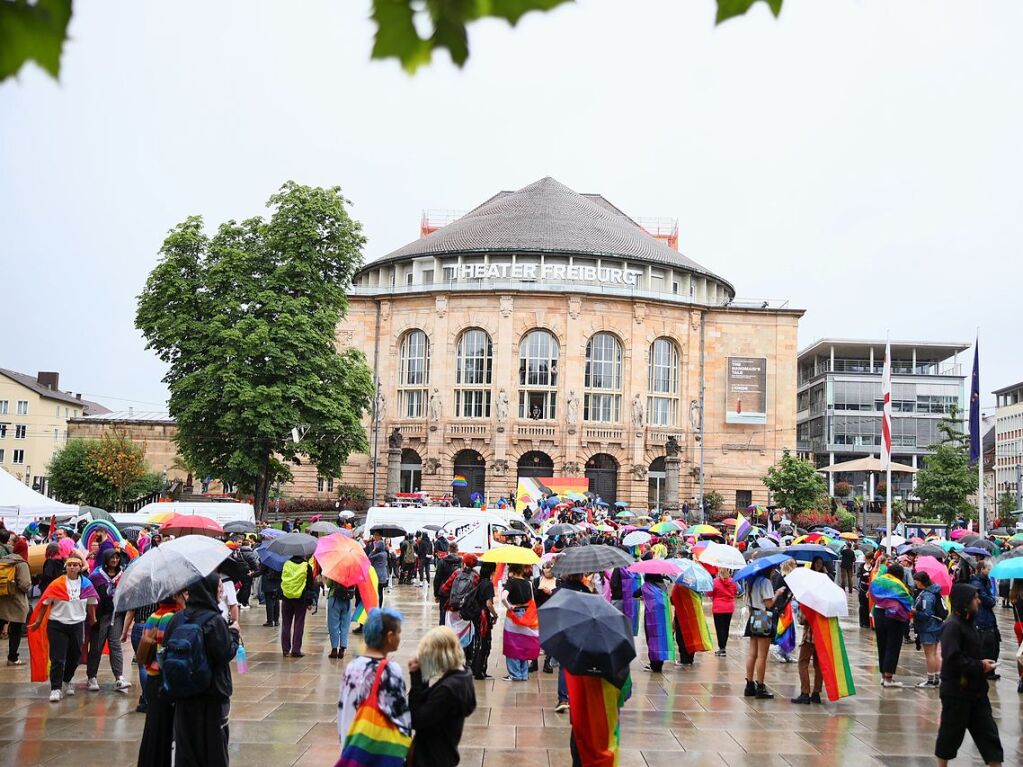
861, 159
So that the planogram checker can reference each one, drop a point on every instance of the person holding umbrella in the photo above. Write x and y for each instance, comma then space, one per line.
723, 607
297, 587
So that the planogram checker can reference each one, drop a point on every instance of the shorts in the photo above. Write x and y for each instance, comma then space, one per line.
961, 714
928, 637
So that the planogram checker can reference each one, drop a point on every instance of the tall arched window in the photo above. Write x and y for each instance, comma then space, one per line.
662, 384
473, 374
538, 375
603, 379
414, 375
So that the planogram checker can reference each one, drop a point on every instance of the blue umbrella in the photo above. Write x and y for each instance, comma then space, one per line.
621, 504
807, 552
766, 543
693, 576
1008, 568
600, 502
977, 551
759, 565
270, 532
270, 559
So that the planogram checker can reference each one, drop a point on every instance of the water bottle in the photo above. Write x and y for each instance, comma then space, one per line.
242, 659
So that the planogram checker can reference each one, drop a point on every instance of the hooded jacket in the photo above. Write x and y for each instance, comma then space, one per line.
221, 642
925, 619
962, 674
438, 715
985, 619
105, 585
14, 608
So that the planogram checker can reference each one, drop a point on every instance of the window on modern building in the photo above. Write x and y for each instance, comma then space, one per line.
603, 379
18, 456
22, 407
662, 384
3, 431
474, 369
427, 276
538, 375
4, 405
1, 455
414, 374
20, 431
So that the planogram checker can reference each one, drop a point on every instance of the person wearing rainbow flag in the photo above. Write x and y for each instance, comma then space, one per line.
892, 606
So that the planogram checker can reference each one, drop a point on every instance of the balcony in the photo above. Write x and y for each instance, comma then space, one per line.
410, 429
656, 436
808, 373
533, 430
468, 430
603, 434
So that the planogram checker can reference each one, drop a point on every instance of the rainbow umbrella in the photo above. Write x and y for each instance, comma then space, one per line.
459, 481
160, 517
664, 528
625, 515
342, 559
699, 530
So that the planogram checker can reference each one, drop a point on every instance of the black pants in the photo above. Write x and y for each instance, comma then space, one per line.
424, 569
14, 631
889, 634
66, 641
245, 592
722, 622
480, 649
990, 642
443, 606
273, 608
201, 733
959, 714
864, 611
158, 735
685, 657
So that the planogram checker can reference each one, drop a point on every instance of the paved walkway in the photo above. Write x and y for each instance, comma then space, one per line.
283, 711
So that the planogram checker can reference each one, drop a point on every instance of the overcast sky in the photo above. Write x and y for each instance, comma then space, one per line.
858, 158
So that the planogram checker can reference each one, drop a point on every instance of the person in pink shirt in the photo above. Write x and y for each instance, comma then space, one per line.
722, 607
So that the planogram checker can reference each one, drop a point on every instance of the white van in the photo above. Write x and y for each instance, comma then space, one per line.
221, 512
473, 529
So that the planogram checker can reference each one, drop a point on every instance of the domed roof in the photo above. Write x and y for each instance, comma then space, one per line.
548, 217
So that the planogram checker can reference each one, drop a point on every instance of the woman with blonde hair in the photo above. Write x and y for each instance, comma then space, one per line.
439, 710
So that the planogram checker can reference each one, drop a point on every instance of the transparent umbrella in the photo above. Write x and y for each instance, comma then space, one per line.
167, 569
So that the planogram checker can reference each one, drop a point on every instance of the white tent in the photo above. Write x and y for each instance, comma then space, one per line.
20, 504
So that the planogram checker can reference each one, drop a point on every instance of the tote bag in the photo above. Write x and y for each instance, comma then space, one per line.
374, 740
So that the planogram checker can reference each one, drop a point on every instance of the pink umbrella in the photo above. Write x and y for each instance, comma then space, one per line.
958, 533
938, 572
656, 567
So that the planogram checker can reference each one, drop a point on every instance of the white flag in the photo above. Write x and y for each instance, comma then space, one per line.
886, 419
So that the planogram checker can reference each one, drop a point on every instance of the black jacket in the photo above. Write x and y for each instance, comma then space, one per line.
445, 567
221, 642
962, 674
438, 714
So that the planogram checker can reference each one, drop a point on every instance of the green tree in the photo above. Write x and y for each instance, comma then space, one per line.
118, 461
75, 476
947, 479
1006, 504
795, 483
246, 322
35, 31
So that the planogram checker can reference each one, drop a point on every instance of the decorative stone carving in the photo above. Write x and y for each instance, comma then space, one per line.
575, 306
441, 305
694, 320
671, 447
637, 412
394, 439
381, 406
638, 472
499, 467
639, 313
431, 465
507, 304
571, 469
502, 407
435, 409
385, 310
573, 411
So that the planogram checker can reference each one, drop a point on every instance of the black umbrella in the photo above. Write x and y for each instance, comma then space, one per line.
929, 550
389, 530
968, 540
434, 528
97, 513
1017, 552
293, 545
321, 526
587, 636
563, 529
240, 526
966, 558
591, 559
981, 544
1001, 531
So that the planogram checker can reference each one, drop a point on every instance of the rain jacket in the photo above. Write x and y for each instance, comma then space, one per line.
985, 618
962, 674
924, 618
438, 715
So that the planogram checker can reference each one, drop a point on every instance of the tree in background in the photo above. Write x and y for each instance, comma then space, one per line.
947, 480
246, 321
795, 484
1007, 504
102, 473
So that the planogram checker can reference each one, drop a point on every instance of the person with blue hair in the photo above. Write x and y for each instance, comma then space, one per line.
382, 635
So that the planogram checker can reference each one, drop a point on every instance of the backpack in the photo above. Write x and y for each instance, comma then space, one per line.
293, 579
8, 579
940, 611
463, 589
183, 660
410, 554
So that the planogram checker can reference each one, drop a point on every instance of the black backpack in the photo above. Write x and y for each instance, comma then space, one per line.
463, 590
940, 611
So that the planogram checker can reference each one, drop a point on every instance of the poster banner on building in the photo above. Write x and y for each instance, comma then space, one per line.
746, 390
531, 491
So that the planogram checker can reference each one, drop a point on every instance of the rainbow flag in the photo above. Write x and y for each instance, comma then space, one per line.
742, 527
891, 595
785, 632
367, 597
834, 660
658, 624
595, 705
630, 607
692, 622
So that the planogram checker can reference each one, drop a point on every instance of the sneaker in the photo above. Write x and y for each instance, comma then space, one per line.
68, 689
936, 682
15, 663
561, 708
508, 678
55, 696
890, 683
803, 699
244, 607
719, 653
92, 685
925, 683
122, 684
269, 624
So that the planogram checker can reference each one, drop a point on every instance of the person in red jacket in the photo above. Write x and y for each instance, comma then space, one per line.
722, 607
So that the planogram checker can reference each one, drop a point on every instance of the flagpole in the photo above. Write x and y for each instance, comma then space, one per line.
886, 430
980, 441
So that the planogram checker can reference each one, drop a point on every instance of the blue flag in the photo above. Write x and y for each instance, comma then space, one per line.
975, 446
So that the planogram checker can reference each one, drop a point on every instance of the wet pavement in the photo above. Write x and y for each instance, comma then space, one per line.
284, 710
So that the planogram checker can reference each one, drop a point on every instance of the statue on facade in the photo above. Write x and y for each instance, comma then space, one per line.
502, 406
573, 408
571, 468
394, 439
637, 412
671, 447
639, 472
381, 403
435, 406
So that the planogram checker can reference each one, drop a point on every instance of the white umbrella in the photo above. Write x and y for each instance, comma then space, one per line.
722, 555
818, 592
897, 540
636, 538
346, 514
168, 568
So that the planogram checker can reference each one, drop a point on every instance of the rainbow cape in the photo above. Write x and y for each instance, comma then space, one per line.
657, 622
595, 704
38, 642
630, 607
522, 634
891, 594
367, 597
830, 646
785, 632
692, 622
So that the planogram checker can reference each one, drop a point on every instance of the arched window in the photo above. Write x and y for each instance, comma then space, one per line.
603, 379
538, 375
662, 384
414, 375
411, 471
473, 374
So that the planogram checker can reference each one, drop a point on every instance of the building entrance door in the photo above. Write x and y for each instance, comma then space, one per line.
470, 464
602, 472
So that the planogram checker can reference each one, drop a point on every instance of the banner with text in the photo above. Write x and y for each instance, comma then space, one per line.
746, 390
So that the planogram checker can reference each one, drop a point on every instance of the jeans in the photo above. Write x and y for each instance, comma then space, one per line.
136, 637
66, 642
517, 669
292, 625
273, 609
106, 630
339, 618
562, 686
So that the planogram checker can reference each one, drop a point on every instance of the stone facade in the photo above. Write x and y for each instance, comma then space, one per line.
155, 435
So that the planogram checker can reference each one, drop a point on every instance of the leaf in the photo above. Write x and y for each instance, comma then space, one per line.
396, 35
729, 8
32, 32
513, 10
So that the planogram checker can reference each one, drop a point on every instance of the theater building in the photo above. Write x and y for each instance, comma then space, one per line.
547, 333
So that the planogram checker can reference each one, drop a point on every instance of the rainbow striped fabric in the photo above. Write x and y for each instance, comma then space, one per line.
630, 582
522, 633
742, 527
374, 739
785, 632
368, 598
834, 660
657, 622
892, 595
692, 622
595, 704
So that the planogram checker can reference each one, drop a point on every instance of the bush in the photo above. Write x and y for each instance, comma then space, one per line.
714, 500
882, 488
808, 519
842, 489
846, 521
